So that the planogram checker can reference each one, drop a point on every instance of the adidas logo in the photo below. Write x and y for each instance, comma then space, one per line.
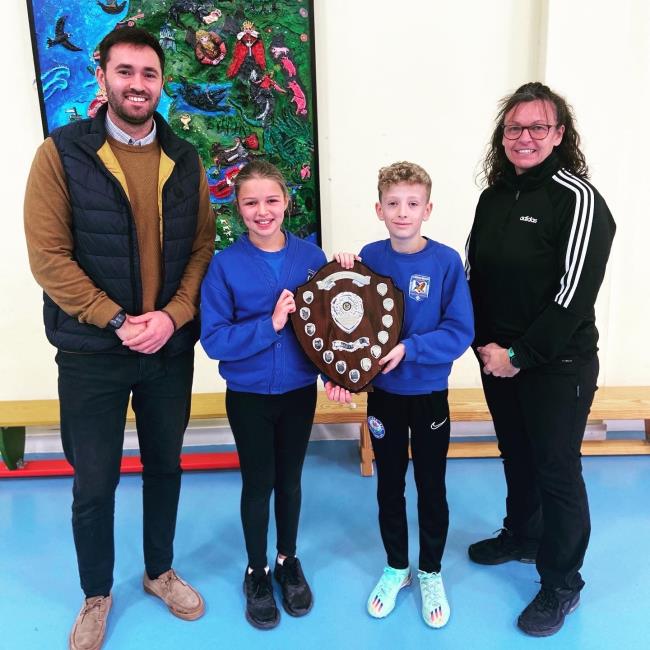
529, 219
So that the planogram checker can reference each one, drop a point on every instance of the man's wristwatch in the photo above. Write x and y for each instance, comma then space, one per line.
117, 321
513, 358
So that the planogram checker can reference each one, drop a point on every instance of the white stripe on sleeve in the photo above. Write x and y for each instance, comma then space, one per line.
579, 236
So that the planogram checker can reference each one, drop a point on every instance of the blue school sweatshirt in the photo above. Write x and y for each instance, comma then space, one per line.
238, 296
438, 321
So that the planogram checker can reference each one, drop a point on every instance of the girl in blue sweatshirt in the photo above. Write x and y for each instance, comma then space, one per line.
246, 299
411, 392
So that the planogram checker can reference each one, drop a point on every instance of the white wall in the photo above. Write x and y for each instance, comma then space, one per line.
598, 53
413, 80
26, 359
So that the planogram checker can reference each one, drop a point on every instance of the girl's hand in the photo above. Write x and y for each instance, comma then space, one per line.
337, 393
283, 307
346, 260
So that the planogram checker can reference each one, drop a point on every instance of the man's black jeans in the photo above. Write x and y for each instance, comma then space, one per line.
94, 392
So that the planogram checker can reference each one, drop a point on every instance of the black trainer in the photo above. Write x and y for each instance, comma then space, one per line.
505, 547
296, 594
546, 612
261, 610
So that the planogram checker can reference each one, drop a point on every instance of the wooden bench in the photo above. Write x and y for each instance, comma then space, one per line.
466, 404
610, 403
16, 416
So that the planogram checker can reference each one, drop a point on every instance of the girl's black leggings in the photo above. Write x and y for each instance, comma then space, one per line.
271, 433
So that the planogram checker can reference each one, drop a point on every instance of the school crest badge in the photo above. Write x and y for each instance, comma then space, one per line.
419, 287
346, 321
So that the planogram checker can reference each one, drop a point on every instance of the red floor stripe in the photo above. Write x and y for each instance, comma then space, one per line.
130, 465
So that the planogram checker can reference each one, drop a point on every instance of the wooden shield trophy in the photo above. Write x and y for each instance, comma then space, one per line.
346, 320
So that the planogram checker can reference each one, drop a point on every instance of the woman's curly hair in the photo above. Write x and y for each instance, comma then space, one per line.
568, 151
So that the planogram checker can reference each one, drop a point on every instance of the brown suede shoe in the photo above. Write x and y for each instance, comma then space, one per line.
183, 601
89, 628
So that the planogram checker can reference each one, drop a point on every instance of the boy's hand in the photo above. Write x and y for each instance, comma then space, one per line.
336, 393
346, 260
283, 307
496, 361
392, 358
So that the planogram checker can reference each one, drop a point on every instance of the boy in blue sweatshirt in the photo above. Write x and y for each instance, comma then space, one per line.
411, 392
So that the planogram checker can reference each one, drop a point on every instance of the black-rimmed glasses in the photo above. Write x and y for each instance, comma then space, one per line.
536, 131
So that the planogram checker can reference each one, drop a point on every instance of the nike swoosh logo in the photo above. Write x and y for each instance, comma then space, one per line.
435, 426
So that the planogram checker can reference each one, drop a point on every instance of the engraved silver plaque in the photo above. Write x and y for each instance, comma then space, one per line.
347, 310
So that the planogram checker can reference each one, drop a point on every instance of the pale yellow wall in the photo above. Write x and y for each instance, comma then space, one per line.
410, 80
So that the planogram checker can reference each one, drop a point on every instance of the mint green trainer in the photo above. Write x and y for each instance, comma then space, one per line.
382, 598
435, 608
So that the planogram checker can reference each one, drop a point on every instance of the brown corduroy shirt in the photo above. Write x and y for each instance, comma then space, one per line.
48, 229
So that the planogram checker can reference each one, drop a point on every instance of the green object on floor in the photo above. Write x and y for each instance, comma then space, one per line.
12, 446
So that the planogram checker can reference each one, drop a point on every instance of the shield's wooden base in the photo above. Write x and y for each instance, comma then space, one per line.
346, 320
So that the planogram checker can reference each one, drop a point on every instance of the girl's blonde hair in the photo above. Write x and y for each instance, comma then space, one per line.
261, 169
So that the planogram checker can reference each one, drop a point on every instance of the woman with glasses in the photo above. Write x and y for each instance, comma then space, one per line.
536, 257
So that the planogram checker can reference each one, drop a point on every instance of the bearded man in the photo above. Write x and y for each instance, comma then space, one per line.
119, 234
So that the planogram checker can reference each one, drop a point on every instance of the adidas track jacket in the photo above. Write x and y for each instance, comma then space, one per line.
536, 258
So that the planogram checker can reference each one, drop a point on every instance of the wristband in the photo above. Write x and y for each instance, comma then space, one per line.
117, 321
513, 358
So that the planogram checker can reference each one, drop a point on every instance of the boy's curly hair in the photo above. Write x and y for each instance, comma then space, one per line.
403, 172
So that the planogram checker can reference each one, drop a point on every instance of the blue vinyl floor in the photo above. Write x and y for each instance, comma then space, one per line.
342, 556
